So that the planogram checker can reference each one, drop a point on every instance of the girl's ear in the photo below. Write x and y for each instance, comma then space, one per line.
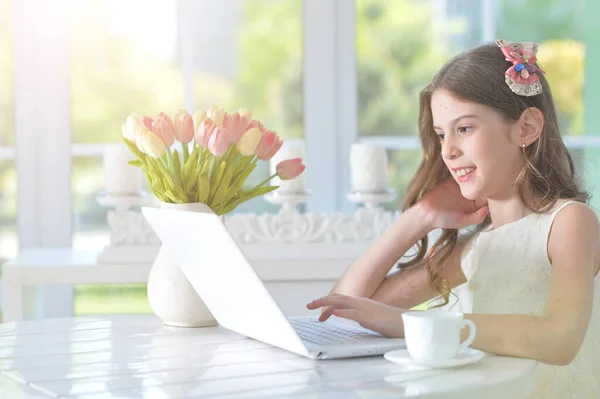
531, 125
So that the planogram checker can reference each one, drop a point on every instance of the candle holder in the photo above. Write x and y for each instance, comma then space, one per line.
288, 201
371, 200
120, 178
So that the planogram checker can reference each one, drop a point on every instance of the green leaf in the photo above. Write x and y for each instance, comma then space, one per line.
159, 192
215, 179
206, 160
186, 152
239, 181
172, 197
136, 162
242, 164
166, 174
133, 148
154, 165
176, 164
156, 182
230, 205
242, 197
222, 191
191, 164
203, 190
248, 195
166, 184
190, 182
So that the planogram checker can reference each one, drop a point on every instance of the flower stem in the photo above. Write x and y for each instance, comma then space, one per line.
265, 181
169, 164
212, 167
186, 152
200, 155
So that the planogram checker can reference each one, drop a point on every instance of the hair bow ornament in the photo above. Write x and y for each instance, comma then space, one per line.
522, 76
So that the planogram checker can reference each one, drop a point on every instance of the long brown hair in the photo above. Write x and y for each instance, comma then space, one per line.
547, 176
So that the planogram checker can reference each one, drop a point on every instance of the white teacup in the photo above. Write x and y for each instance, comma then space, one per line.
435, 335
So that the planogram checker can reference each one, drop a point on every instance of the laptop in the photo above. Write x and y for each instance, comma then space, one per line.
216, 267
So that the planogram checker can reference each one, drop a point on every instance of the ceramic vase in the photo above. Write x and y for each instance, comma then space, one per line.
170, 295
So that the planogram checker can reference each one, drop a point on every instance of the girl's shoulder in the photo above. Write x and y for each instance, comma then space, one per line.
570, 211
563, 203
569, 215
569, 219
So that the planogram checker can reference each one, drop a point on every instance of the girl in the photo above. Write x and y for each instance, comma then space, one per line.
492, 157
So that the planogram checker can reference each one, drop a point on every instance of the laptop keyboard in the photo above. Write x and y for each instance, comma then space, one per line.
323, 333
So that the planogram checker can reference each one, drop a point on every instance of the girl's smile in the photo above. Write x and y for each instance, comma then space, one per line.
464, 174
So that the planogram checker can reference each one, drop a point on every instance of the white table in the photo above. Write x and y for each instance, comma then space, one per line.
138, 357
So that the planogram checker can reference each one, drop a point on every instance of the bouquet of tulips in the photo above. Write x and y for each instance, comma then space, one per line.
218, 152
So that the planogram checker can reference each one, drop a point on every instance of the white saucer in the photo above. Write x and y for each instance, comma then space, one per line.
464, 357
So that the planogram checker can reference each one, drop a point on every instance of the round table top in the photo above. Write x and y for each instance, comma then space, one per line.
139, 357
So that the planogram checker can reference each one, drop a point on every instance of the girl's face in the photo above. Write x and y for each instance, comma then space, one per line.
479, 146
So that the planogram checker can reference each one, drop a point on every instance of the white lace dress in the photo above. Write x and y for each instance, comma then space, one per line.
508, 272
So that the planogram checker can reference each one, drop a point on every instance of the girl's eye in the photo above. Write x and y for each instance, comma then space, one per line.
464, 129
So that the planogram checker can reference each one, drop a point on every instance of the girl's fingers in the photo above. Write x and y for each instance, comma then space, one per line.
326, 313
479, 216
336, 301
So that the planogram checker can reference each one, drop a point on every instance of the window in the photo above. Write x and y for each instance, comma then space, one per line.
401, 44
8, 178
325, 72
163, 60
561, 50
239, 62
119, 64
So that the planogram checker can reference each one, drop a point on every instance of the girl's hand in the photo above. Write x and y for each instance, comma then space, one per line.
370, 314
446, 208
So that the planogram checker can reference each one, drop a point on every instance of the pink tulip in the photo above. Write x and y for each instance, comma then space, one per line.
259, 125
217, 115
198, 117
218, 142
290, 168
236, 124
276, 147
148, 122
267, 147
184, 126
163, 128
204, 131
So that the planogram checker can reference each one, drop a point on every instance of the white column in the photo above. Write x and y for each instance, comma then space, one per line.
347, 98
488, 20
42, 135
320, 103
330, 100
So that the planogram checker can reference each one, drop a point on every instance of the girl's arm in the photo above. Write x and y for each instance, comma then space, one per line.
365, 275
368, 276
555, 337
442, 207
411, 287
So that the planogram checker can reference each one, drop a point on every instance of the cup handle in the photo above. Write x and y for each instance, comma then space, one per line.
471, 337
